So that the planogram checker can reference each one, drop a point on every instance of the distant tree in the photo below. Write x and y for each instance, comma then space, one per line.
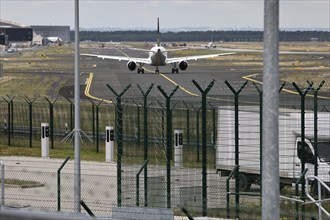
199, 36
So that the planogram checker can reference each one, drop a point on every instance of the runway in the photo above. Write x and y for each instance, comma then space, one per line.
97, 73
117, 75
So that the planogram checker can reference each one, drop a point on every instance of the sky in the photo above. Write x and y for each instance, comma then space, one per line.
215, 14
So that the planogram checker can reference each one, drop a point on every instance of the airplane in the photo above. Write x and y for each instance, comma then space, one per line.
210, 45
157, 57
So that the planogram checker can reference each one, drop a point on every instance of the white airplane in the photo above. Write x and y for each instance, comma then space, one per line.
210, 45
157, 57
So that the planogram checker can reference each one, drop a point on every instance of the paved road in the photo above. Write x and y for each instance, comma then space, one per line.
117, 75
100, 72
99, 185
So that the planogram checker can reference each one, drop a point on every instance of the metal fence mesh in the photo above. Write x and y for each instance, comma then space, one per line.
38, 176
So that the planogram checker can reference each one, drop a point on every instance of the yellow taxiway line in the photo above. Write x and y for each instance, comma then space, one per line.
176, 84
248, 77
88, 86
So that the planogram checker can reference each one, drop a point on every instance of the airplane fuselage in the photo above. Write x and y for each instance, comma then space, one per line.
158, 56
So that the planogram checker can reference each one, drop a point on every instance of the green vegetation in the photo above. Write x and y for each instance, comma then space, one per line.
188, 36
37, 73
61, 153
31, 85
22, 183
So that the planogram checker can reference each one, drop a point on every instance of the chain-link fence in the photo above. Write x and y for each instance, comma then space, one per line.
169, 149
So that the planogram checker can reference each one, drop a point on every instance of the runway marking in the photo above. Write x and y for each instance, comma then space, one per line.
181, 87
175, 83
247, 77
120, 51
88, 86
189, 92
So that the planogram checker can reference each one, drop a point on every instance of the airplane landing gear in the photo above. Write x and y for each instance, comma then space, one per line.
157, 70
175, 70
140, 70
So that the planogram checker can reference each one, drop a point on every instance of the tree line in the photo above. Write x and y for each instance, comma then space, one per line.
225, 36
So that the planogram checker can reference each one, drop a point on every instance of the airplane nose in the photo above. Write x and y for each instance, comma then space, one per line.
159, 51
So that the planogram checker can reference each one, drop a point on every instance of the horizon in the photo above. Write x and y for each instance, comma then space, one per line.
215, 14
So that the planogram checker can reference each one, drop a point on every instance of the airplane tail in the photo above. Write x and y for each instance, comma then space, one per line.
158, 34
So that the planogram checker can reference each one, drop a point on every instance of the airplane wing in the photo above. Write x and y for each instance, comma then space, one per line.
167, 50
120, 58
179, 59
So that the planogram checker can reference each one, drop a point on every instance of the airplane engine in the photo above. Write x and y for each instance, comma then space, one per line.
183, 65
131, 65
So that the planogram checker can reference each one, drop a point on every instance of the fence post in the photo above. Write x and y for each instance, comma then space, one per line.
88, 210
214, 133
2, 200
301, 180
232, 173
12, 114
119, 137
169, 142
260, 121
51, 120
93, 119
302, 127
71, 114
204, 150
144, 166
97, 123
163, 122
187, 125
59, 183
236, 94
9, 116
214, 137
138, 128
163, 125
30, 102
145, 138
197, 132
316, 91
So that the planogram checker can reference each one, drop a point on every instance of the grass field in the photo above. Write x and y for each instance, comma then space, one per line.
50, 68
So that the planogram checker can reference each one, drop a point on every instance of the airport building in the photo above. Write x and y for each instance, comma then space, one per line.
13, 33
59, 32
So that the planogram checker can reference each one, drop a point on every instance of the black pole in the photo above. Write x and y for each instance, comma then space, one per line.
303, 145
97, 129
71, 114
119, 138
204, 150
30, 102
214, 138
261, 123
83, 204
59, 183
236, 94
93, 120
9, 117
12, 116
138, 122
197, 133
95, 107
316, 91
168, 142
145, 140
51, 120
187, 124
9, 123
